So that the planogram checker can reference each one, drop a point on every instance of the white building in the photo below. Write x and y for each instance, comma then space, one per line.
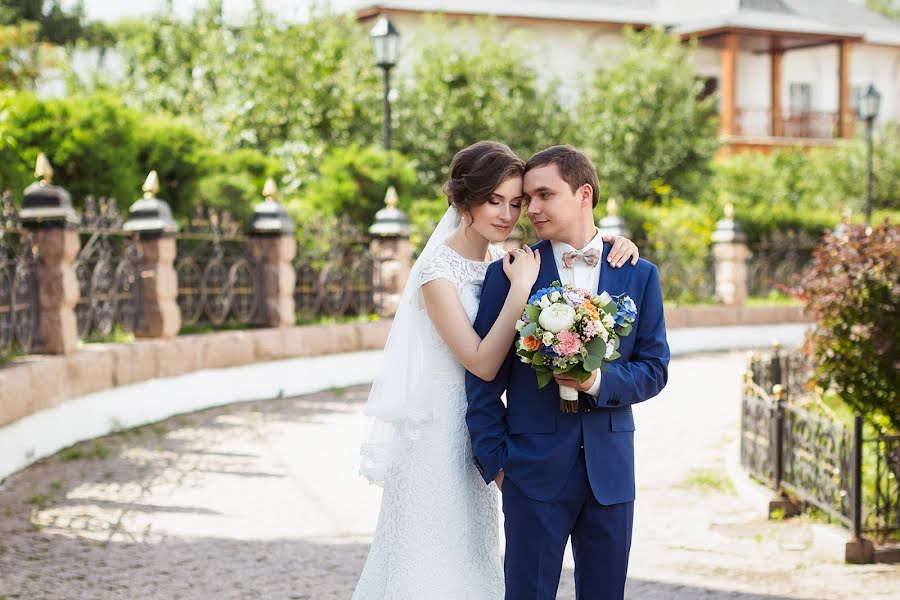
787, 71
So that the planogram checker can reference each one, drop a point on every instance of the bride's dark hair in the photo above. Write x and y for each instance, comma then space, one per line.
476, 171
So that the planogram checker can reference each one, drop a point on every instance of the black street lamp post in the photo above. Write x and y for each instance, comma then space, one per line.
867, 110
386, 46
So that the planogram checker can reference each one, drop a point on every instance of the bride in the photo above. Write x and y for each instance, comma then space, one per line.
438, 528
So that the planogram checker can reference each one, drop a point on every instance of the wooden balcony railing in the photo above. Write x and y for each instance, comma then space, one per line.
757, 122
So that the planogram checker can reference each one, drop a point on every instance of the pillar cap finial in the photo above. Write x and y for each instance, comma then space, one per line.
270, 189
151, 185
391, 200
43, 170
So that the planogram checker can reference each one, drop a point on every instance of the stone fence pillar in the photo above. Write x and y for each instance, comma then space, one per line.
47, 212
392, 254
731, 254
612, 223
151, 218
272, 243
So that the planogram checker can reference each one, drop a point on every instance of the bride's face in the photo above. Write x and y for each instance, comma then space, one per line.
496, 218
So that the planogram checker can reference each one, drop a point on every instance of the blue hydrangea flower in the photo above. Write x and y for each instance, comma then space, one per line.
626, 310
543, 292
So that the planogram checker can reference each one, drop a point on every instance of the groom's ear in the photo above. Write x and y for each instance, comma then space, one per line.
586, 194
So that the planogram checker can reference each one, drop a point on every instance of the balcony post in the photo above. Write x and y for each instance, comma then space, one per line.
777, 111
729, 84
845, 117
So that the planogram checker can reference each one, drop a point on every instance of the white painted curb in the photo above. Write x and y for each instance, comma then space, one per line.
48, 431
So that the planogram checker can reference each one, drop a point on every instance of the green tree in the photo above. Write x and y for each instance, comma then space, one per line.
456, 96
889, 8
58, 22
21, 56
642, 123
290, 90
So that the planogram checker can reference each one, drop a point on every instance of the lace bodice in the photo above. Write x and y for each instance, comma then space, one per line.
467, 275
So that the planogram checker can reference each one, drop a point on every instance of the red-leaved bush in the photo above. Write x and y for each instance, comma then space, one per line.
852, 290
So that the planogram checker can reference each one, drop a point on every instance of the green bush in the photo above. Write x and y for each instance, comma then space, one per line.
353, 181
676, 235
852, 290
234, 180
807, 189
100, 147
641, 122
89, 140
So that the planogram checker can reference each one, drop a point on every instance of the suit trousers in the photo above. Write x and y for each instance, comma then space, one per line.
537, 533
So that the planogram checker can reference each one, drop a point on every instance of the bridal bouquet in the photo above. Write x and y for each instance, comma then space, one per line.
567, 330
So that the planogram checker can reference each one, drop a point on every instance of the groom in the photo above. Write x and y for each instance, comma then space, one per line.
565, 475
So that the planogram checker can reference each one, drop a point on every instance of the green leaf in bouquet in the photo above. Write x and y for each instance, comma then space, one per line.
597, 347
577, 372
592, 363
614, 356
624, 330
610, 308
529, 329
538, 359
533, 313
616, 341
543, 376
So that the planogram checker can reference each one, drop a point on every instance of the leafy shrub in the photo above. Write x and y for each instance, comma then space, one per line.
852, 289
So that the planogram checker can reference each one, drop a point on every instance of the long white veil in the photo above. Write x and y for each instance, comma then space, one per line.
400, 404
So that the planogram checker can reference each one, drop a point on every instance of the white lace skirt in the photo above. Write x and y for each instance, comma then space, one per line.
438, 529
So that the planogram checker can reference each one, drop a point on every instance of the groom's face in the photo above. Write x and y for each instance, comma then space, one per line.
553, 208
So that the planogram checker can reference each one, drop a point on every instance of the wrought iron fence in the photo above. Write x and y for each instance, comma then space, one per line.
108, 272
219, 279
778, 260
685, 279
19, 301
793, 442
335, 271
886, 487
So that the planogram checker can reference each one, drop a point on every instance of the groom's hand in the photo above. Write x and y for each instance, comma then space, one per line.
499, 480
574, 383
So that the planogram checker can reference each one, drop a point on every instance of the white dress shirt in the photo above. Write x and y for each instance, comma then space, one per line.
581, 275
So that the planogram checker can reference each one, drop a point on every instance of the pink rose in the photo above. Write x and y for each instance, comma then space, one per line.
569, 344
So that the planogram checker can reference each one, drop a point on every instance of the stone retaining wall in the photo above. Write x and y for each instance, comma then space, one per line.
40, 381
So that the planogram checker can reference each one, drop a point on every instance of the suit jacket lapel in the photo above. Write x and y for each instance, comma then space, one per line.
549, 271
612, 280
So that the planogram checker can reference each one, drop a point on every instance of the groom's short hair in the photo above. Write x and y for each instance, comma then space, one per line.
574, 166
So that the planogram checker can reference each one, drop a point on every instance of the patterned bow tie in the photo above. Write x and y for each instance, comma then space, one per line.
591, 257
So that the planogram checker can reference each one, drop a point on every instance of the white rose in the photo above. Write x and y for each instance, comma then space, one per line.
545, 302
520, 325
605, 298
610, 348
608, 319
557, 317
548, 338
555, 297
604, 333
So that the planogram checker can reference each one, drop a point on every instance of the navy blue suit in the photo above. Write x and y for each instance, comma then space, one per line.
567, 474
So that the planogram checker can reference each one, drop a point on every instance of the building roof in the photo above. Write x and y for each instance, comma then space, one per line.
837, 18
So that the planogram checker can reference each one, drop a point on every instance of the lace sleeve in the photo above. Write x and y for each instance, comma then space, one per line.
435, 268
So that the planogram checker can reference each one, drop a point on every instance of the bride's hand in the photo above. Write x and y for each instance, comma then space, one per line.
621, 251
522, 265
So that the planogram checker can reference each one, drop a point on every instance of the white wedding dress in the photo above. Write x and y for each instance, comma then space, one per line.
438, 530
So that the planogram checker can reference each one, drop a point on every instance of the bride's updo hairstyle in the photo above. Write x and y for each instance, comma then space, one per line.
476, 172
